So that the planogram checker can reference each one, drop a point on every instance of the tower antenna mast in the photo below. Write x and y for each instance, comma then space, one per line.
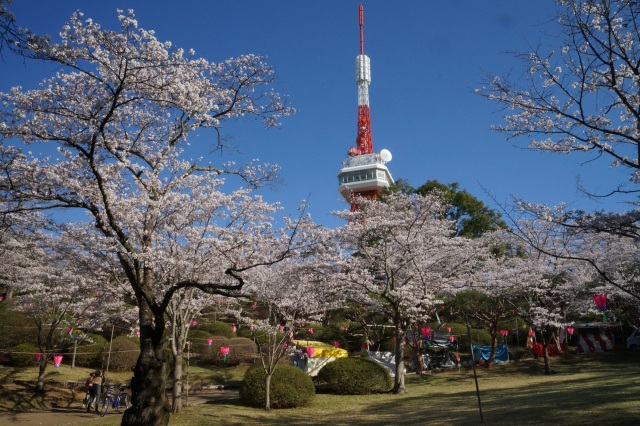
364, 144
364, 173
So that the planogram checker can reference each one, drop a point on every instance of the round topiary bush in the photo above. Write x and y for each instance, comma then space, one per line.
23, 355
290, 388
124, 354
242, 350
218, 329
354, 376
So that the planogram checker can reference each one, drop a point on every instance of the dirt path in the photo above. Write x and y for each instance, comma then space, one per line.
77, 415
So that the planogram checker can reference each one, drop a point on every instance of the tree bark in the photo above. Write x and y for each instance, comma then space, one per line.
148, 386
398, 384
42, 367
176, 403
267, 392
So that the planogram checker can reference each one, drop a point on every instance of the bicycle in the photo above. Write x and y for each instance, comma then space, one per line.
121, 399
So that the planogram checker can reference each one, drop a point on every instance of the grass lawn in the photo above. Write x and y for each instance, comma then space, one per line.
584, 389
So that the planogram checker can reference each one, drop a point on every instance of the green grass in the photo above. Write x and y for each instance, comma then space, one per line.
585, 389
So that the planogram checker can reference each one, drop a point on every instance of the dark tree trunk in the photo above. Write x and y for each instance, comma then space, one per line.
148, 386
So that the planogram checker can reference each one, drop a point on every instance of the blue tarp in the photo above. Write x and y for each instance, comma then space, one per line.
482, 353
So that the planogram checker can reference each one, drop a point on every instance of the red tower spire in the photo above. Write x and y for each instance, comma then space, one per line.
364, 144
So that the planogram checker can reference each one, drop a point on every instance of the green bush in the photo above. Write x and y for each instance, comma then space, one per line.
242, 349
218, 329
89, 354
290, 388
23, 355
200, 349
14, 327
124, 354
354, 376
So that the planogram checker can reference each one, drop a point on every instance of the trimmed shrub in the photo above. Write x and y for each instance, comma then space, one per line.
124, 354
200, 349
23, 355
242, 350
354, 376
90, 354
218, 329
290, 388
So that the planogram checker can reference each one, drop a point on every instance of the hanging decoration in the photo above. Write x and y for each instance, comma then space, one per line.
426, 331
224, 351
310, 351
233, 328
57, 360
601, 303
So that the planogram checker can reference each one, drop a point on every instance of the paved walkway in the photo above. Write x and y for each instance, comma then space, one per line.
71, 416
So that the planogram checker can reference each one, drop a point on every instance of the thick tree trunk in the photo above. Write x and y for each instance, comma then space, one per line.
148, 386
176, 403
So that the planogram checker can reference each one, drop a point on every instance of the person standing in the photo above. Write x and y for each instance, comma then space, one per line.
97, 389
88, 399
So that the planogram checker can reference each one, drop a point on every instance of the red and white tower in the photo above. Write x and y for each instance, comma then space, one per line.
363, 171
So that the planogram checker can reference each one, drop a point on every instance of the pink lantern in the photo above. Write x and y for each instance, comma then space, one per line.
254, 305
442, 307
194, 323
209, 341
281, 328
532, 334
70, 331
336, 344
57, 360
310, 331
233, 328
601, 303
452, 338
224, 351
570, 330
346, 328
38, 357
138, 333
504, 332
251, 327
310, 351
1, 298
448, 329
426, 331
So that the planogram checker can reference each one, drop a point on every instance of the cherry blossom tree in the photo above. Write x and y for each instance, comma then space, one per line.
582, 98
292, 293
52, 287
399, 255
118, 115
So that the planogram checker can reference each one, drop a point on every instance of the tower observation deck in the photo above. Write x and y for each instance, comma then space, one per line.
364, 172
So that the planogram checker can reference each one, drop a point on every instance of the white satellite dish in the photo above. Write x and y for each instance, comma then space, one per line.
386, 156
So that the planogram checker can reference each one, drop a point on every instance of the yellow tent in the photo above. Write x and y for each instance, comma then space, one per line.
322, 350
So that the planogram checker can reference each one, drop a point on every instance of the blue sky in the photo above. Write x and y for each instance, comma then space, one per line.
427, 58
